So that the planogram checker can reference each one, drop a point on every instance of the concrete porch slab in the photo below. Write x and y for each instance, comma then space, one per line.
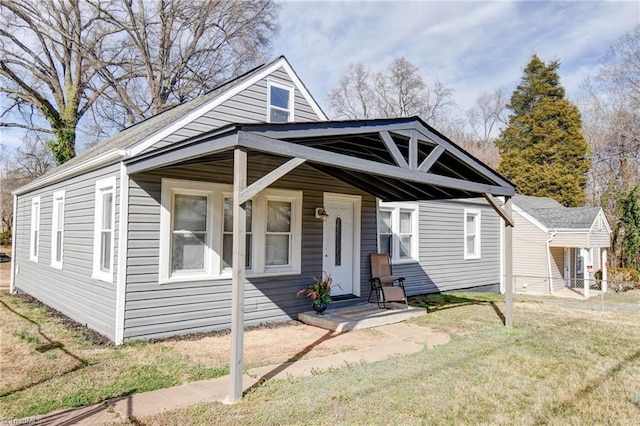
364, 315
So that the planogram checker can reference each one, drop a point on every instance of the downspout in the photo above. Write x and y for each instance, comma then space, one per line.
549, 274
14, 229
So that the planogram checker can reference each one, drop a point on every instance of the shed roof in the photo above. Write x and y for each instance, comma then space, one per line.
554, 215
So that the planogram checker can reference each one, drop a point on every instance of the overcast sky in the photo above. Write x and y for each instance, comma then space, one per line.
470, 46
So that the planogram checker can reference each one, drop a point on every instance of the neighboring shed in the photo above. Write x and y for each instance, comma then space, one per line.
555, 246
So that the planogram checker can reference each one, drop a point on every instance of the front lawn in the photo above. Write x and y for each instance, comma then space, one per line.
557, 366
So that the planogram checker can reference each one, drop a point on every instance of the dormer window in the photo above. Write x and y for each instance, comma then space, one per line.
280, 103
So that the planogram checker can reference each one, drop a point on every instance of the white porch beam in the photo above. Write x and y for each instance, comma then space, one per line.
508, 265
264, 182
238, 271
431, 159
393, 149
495, 204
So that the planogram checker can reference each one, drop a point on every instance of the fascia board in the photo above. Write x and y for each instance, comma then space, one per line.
108, 157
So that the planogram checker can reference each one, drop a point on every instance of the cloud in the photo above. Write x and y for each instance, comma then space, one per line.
470, 46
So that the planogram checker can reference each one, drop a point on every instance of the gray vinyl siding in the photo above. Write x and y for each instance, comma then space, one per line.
600, 238
442, 266
156, 310
530, 267
71, 290
248, 106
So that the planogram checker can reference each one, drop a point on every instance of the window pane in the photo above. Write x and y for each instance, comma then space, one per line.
58, 254
228, 214
188, 251
107, 208
471, 224
405, 222
471, 244
190, 213
105, 251
405, 246
384, 225
35, 242
278, 216
279, 97
227, 251
60, 214
277, 252
278, 116
385, 243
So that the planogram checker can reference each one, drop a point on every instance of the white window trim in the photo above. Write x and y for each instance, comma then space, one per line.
216, 194
58, 197
477, 254
290, 88
212, 261
35, 226
395, 209
103, 185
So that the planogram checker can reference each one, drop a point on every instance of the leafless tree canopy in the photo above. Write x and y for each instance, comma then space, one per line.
397, 91
171, 51
121, 60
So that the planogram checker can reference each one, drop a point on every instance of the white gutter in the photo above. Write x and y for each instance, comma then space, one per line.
553, 234
14, 221
84, 166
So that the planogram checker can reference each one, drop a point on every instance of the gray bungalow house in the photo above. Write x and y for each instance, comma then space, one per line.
214, 213
556, 247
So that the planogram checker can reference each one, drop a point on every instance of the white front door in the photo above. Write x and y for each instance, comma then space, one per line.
341, 247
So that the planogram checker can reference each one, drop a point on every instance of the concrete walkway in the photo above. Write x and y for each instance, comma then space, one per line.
407, 339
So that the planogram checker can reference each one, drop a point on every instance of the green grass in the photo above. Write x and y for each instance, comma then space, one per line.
556, 366
47, 367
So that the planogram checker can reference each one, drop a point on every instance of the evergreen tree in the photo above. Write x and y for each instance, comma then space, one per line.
626, 239
542, 149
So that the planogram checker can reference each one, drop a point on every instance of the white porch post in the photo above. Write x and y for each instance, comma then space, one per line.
508, 264
238, 268
603, 266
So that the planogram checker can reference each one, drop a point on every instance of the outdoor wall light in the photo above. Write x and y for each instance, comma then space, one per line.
321, 213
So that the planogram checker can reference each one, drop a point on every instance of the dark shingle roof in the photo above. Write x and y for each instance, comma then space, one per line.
554, 215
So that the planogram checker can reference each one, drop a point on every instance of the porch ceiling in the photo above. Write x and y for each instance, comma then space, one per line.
395, 159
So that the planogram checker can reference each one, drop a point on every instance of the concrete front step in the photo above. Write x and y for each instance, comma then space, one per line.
363, 315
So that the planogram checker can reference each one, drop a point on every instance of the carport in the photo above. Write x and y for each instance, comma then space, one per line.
400, 159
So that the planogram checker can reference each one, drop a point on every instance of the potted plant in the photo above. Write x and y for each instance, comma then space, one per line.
319, 292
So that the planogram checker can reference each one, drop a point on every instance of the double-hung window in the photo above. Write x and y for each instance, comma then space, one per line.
398, 231
280, 103
471, 234
57, 229
196, 238
35, 229
104, 229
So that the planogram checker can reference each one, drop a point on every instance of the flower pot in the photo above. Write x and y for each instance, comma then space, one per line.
319, 307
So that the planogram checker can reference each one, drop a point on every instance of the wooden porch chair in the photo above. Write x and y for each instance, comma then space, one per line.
383, 283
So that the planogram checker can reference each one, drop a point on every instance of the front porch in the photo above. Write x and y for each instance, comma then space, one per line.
352, 316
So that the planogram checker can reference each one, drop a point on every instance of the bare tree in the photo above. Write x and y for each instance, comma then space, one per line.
45, 70
175, 50
397, 91
123, 60
353, 99
488, 114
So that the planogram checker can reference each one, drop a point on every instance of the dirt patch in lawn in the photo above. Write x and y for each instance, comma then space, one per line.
287, 342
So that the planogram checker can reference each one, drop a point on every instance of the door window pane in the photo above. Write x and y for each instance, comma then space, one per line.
338, 242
